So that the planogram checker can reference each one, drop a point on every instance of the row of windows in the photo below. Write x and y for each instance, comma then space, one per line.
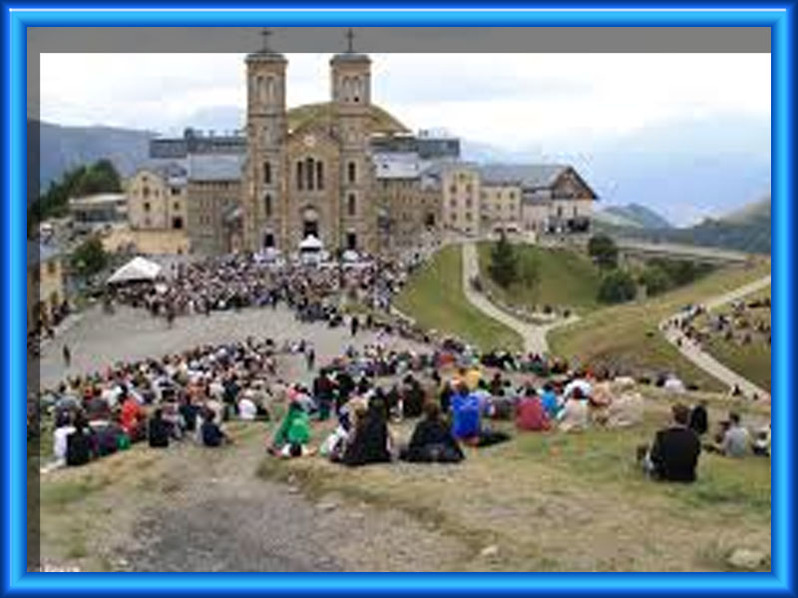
310, 174
147, 206
351, 205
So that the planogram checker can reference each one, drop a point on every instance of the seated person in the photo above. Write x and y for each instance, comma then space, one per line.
413, 399
158, 430
530, 415
674, 454
432, 441
247, 410
369, 441
699, 420
548, 399
293, 434
736, 441
79, 443
132, 418
467, 420
60, 435
761, 443
210, 432
574, 415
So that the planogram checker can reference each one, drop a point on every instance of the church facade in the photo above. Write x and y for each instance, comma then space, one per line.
316, 178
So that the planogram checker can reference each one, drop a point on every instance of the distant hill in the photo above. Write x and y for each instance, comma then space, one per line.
63, 148
633, 216
746, 229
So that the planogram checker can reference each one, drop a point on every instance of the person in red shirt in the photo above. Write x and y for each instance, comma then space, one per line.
531, 416
131, 418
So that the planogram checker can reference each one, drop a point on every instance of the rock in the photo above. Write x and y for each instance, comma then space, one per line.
326, 506
293, 490
489, 551
744, 558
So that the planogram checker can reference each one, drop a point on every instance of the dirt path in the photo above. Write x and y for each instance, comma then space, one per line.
534, 336
704, 360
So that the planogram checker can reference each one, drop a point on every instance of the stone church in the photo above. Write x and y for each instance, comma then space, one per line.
313, 176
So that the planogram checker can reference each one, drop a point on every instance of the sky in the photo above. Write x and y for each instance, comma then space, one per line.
511, 101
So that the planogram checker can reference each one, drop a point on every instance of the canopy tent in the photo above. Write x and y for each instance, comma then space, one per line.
310, 243
137, 269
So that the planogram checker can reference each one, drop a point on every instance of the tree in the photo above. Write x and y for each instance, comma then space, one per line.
603, 251
90, 257
617, 286
530, 271
503, 263
655, 279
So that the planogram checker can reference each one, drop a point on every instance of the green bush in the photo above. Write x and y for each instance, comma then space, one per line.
617, 286
503, 263
603, 251
655, 279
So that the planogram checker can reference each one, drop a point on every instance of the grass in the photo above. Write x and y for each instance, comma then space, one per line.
433, 296
554, 502
751, 361
627, 336
567, 279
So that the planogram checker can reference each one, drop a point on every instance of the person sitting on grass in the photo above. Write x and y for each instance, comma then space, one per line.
761, 443
432, 440
674, 455
467, 420
293, 434
699, 419
369, 441
212, 435
158, 430
530, 415
736, 441
548, 399
79, 442
574, 415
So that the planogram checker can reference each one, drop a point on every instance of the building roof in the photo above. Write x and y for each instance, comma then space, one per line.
350, 57
215, 167
397, 165
173, 172
534, 176
98, 199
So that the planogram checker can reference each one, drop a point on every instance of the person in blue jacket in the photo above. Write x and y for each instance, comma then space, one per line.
467, 420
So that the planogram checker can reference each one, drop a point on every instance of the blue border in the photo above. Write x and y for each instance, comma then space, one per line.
16, 581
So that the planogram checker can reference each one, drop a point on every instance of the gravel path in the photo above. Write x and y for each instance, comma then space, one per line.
534, 336
704, 360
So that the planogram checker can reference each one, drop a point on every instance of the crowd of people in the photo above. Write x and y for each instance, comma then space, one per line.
248, 280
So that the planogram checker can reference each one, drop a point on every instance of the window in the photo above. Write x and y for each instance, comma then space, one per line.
319, 175
453, 203
468, 216
267, 204
145, 192
300, 178
559, 212
176, 206
351, 207
575, 214
146, 206
51, 267
175, 190
351, 172
351, 241
453, 189
267, 173
309, 172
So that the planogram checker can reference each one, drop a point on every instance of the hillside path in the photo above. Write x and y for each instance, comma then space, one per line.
704, 360
534, 336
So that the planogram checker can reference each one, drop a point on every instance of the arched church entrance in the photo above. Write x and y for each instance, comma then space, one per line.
310, 223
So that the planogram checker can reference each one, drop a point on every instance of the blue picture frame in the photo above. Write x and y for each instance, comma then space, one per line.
16, 581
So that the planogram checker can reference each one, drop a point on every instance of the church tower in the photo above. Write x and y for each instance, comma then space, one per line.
264, 201
350, 75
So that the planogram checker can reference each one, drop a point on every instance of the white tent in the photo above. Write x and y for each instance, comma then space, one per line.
136, 269
310, 243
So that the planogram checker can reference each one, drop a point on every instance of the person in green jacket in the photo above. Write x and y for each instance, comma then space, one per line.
293, 434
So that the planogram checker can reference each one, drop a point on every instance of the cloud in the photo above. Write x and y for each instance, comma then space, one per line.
508, 100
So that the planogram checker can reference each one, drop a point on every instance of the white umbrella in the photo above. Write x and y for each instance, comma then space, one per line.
136, 269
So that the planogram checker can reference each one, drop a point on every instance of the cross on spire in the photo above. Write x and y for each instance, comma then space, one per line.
266, 32
350, 37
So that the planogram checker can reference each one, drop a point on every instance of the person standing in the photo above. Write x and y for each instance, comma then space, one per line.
67, 355
699, 420
310, 357
354, 325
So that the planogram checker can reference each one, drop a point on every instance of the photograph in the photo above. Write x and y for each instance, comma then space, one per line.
390, 305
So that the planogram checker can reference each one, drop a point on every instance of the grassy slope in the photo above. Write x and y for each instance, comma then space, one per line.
434, 298
751, 361
567, 279
559, 502
627, 335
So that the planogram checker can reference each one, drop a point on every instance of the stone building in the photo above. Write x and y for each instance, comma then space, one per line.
157, 198
214, 197
314, 174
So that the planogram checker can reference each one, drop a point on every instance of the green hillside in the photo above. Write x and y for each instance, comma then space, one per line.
627, 336
567, 279
434, 298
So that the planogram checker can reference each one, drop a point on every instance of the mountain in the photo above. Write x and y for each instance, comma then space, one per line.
745, 229
686, 170
62, 148
633, 216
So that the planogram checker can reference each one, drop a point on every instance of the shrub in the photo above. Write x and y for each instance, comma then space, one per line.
617, 287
